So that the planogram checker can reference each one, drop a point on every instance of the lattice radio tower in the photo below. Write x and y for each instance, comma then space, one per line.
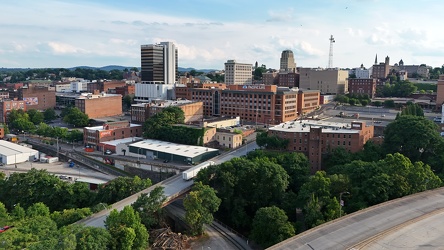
330, 54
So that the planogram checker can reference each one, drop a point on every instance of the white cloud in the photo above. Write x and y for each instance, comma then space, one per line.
63, 48
99, 34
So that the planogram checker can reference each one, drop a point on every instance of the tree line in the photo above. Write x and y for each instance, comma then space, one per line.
42, 208
56, 74
35, 122
269, 186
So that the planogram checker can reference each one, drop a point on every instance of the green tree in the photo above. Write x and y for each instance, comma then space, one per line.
271, 142
126, 230
200, 204
128, 100
315, 194
412, 109
35, 116
22, 124
389, 104
74, 135
155, 125
49, 115
364, 103
271, 226
244, 186
121, 188
93, 238
377, 103
149, 207
37, 209
76, 117
69, 216
44, 129
413, 136
18, 213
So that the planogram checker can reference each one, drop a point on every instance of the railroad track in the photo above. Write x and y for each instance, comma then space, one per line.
224, 232
227, 235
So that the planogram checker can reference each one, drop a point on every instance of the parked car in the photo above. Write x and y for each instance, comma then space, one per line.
3, 229
108, 152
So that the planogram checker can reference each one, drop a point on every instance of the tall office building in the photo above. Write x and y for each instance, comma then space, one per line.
287, 61
238, 73
159, 70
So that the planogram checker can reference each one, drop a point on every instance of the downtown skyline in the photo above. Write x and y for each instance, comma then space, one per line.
208, 33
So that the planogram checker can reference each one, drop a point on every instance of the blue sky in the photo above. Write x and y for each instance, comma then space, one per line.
48, 33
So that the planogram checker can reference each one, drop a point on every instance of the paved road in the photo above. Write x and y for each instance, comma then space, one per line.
375, 223
425, 234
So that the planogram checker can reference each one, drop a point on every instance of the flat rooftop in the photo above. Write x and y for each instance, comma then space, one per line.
173, 148
100, 128
8, 149
164, 103
304, 126
124, 141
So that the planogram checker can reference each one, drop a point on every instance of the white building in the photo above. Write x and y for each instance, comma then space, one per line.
12, 153
361, 73
238, 73
79, 86
63, 87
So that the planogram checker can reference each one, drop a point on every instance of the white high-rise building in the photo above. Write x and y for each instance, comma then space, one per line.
159, 71
287, 61
238, 73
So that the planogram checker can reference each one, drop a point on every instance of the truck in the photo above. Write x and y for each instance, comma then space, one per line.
192, 172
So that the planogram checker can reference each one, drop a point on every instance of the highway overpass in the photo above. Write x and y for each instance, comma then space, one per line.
379, 226
173, 187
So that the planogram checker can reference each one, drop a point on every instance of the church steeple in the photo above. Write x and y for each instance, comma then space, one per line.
376, 59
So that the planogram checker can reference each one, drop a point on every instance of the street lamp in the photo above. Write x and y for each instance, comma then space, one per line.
341, 202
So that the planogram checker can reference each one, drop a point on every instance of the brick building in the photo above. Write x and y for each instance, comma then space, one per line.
97, 106
263, 104
381, 70
288, 79
93, 136
193, 110
38, 97
270, 78
7, 105
315, 138
129, 89
308, 101
363, 86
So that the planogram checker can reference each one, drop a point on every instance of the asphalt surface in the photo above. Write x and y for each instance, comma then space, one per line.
57, 168
366, 227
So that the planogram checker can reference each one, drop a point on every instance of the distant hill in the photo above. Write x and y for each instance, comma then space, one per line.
198, 70
106, 68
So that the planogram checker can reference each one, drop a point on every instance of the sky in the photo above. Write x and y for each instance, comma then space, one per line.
46, 33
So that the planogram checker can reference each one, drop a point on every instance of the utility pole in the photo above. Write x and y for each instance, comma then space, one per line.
330, 54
